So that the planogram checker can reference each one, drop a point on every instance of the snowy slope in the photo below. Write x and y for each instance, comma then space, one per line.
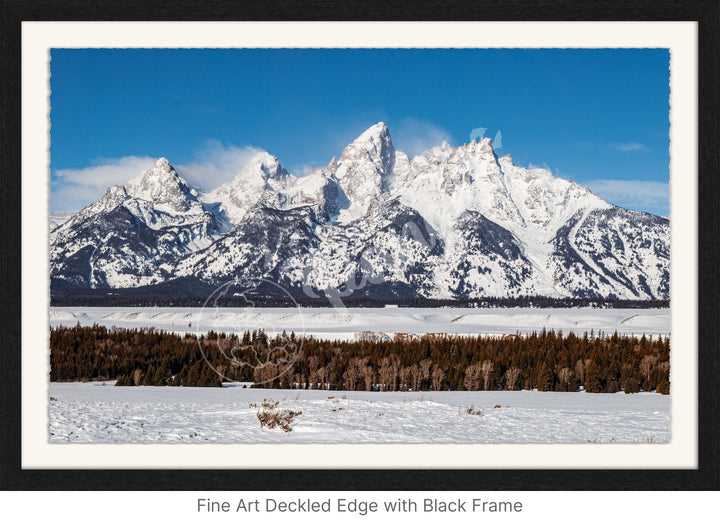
58, 218
348, 323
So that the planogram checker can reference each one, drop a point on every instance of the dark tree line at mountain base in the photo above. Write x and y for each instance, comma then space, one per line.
123, 298
546, 361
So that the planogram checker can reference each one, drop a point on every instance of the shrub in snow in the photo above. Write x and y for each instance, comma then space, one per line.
272, 417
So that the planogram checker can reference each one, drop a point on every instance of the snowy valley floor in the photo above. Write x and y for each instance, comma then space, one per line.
103, 413
346, 324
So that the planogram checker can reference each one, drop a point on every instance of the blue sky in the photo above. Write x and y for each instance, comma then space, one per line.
598, 117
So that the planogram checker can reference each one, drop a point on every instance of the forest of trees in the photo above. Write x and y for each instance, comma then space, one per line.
546, 361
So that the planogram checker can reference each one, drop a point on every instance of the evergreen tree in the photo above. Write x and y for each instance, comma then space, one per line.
592, 378
544, 379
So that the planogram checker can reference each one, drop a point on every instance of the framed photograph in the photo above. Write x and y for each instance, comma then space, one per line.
362, 249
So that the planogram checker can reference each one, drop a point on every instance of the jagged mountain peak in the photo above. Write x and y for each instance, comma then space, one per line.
262, 172
262, 175
378, 130
264, 165
161, 168
160, 174
162, 186
163, 164
443, 147
332, 166
506, 160
482, 149
373, 145
366, 170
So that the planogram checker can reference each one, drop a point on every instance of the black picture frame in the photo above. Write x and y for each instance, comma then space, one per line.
705, 477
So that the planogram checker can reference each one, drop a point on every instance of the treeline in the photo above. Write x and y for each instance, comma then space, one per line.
546, 361
114, 299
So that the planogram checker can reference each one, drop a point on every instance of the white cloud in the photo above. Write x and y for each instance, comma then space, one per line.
415, 137
213, 165
647, 196
302, 170
627, 147
109, 172
74, 188
543, 166
216, 164
71, 198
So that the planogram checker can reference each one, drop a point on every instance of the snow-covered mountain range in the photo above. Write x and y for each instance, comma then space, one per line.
451, 223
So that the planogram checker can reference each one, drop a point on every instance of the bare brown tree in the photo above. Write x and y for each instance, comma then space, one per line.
565, 375
367, 374
647, 364
350, 377
473, 376
221, 370
511, 377
438, 376
415, 377
486, 369
580, 370
425, 366
405, 376
388, 373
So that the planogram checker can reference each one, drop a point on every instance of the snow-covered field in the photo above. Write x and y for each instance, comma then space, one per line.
94, 412
103, 413
347, 323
